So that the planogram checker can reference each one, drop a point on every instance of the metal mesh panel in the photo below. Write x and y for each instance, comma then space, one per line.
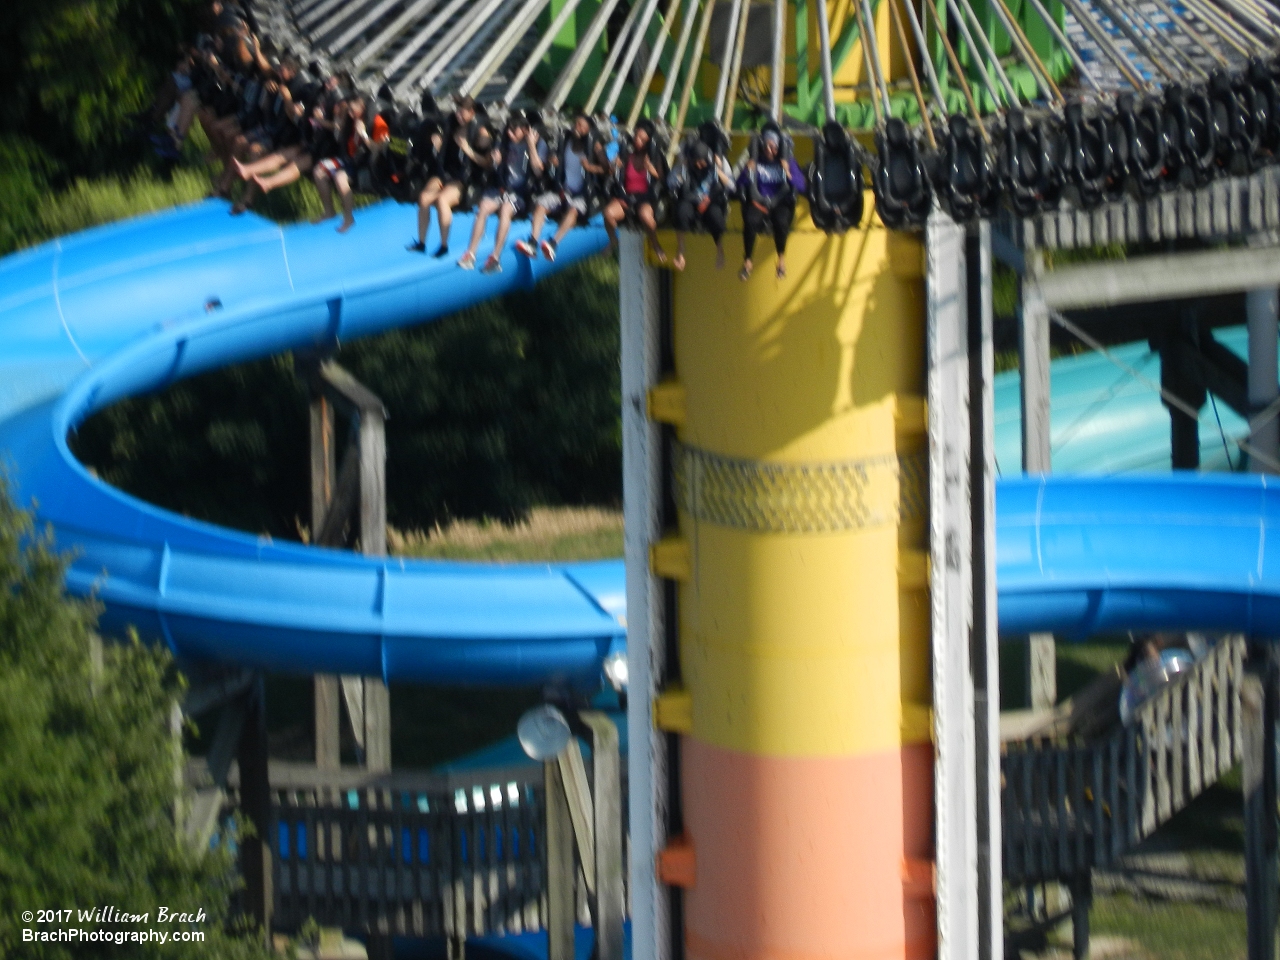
801, 497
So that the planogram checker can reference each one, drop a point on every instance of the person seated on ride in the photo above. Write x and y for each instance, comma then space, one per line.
335, 171
260, 121
518, 159
637, 179
700, 185
290, 143
319, 141
575, 169
459, 148
769, 202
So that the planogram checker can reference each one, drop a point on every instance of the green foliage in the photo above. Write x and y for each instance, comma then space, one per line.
75, 72
88, 203
507, 405
229, 446
86, 769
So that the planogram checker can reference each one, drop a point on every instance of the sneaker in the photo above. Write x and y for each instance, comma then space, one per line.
492, 265
467, 261
442, 251
417, 247
549, 250
527, 248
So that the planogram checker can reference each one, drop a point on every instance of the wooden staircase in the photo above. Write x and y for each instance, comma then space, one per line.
1074, 799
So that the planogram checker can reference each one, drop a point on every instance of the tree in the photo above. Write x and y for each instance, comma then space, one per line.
508, 405
87, 773
74, 72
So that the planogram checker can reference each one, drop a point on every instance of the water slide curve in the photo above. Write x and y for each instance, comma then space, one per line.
90, 319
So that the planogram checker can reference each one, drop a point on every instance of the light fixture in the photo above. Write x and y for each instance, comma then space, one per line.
543, 732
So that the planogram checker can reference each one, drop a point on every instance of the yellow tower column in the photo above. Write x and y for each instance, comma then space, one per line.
806, 767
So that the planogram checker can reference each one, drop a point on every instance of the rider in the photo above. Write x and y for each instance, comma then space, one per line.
700, 185
517, 163
459, 150
576, 167
769, 202
638, 175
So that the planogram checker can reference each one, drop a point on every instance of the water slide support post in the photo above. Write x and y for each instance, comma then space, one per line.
1033, 354
255, 802
1261, 311
647, 758
1178, 345
323, 470
335, 495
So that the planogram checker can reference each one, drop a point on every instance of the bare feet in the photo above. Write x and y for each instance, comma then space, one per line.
262, 183
348, 222
678, 262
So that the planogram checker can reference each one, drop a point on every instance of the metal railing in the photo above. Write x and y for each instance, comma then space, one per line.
1068, 808
413, 853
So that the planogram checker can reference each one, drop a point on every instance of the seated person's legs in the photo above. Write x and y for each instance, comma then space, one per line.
426, 200
507, 212
780, 219
649, 221
686, 218
714, 222
450, 197
321, 177
342, 182
753, 221
488, 206
614, 213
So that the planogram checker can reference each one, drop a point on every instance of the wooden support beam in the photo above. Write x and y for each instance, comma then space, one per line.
1171, 276
323, 459
1259, 714
573, 777
1262, 310
372, 438
358, 491
203, 697
560, 867
1180, 375
643, 300
1081, 903
255, 803
607, 816
950, 591
984, 646
1037, 454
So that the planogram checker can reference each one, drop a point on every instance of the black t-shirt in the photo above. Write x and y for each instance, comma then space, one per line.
454, 164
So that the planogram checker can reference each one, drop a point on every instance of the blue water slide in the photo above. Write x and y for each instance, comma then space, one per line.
119, 311
90, 319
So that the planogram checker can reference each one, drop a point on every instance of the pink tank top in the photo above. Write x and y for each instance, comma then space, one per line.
635, 181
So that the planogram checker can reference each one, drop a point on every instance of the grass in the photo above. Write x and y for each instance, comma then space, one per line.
549, 533
1172, 931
